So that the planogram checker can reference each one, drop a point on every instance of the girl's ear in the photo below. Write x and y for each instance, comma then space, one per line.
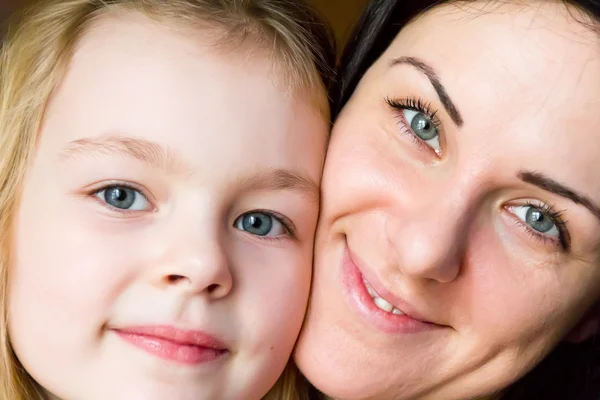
587, 327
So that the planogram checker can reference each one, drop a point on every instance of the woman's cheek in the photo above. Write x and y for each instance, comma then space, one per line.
509, 296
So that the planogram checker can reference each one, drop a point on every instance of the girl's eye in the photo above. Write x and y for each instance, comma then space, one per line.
537, 219
423, 127
124, 198
260, 224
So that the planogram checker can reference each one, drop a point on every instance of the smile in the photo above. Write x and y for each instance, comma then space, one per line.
172, 344
379, 301
379, 310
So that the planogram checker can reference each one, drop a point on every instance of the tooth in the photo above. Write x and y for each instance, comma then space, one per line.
370, 289
383, 304
397, 312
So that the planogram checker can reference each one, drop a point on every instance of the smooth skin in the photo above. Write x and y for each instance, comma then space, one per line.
476, 212
175, 183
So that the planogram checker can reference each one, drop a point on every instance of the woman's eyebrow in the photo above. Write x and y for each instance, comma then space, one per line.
145, 151
550, 185
433, 77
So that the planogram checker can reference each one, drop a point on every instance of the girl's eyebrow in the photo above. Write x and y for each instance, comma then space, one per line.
156, 156
148, 152
273, 179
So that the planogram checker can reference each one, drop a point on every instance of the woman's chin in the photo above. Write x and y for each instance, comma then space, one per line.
346, 340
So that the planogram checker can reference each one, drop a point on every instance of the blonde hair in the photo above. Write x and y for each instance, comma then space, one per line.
33, 61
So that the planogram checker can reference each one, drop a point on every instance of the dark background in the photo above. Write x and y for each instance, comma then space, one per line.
341, 14
5, 8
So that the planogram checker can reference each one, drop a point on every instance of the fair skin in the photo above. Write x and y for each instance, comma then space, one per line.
174, 189
449, 221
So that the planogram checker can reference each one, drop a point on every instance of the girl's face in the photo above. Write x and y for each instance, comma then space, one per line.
460, 225
163, 244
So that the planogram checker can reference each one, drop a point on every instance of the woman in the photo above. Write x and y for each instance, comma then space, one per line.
459, 237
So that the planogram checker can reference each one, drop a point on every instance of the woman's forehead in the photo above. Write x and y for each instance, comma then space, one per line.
541, 51
525, 80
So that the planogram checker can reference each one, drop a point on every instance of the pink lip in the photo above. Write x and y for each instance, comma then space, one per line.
170, 343
363, 303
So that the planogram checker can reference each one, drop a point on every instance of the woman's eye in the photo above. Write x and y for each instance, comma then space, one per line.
260, 224
423, 127
123, 198
537, 219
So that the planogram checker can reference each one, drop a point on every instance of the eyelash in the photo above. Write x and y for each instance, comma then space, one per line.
418, 105
124, 185
561, 225
285, 221
421, 106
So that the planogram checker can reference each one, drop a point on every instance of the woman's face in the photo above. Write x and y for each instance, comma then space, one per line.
459, 236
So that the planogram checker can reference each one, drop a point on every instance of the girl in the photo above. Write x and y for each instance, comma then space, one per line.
159, 186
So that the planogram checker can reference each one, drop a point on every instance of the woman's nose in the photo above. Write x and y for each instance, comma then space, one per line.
428, 239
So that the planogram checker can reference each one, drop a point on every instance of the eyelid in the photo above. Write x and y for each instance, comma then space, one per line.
92, 191
418, 105
564, 239
287, 223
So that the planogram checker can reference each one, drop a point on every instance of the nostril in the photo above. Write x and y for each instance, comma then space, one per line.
212, 288
175, 278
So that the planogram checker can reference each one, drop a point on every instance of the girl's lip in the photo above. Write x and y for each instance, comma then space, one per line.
174, 344
409, 323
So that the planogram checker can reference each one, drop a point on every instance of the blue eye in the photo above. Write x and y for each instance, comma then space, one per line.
123, 198
423, 127
537, 219
260, 224
418, 120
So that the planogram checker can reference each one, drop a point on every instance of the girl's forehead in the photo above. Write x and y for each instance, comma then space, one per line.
149, 36
138, 81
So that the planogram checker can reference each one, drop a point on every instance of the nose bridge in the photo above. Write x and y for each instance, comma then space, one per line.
428, 235
194, 257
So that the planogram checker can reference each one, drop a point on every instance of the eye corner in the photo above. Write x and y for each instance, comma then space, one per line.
553, 227
429, 128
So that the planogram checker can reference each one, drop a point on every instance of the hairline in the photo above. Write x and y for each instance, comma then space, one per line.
305, 87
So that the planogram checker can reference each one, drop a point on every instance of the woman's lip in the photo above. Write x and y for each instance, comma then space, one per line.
364, 305
382, 291
174, 344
